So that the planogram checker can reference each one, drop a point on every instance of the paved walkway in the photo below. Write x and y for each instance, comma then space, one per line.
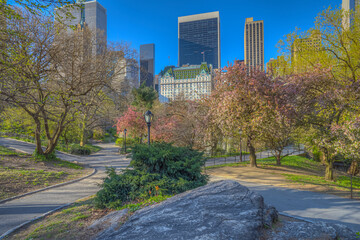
18, 211
305, 204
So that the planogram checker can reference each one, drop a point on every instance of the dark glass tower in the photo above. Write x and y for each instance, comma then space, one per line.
147, 64
199, 39
92, 14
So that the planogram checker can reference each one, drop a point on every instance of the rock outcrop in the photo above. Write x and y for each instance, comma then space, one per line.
219, 210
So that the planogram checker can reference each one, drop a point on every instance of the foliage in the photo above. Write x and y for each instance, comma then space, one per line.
152, 200
134, 122
144, 97
159, 169
83, 150
16, 121
129, 141
49, 73
241, 102
43, 158
342, 181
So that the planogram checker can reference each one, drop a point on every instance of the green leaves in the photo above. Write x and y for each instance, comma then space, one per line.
159, 169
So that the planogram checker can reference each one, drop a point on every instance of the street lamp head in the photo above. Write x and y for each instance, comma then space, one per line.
125, 130
148, 117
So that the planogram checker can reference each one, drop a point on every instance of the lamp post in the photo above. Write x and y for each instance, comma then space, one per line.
125, 139
240, 145
148, 118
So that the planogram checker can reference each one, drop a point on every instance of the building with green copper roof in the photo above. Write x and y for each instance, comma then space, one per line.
189, 82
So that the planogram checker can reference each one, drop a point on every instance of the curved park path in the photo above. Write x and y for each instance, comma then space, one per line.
309, 205
277, 192
18, 211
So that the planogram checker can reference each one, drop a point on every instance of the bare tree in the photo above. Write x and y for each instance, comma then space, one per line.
51, 71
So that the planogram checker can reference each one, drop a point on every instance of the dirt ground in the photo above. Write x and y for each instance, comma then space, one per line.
22, 174
270, 176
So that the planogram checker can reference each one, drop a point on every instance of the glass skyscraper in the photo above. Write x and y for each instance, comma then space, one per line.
199, 39
92, 14
147, 64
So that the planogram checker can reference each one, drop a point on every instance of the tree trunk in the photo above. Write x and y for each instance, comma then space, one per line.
83, 132
38, 149
252, 154
52, 144
278, 159
329, 172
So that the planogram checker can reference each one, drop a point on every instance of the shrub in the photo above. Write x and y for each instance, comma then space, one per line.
159, 169
79, 150
317, 155
129, 141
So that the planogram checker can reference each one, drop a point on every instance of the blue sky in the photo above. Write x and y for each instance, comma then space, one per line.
155, 21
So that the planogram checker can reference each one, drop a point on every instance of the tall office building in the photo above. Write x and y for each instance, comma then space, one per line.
199, 39
147, 64
127, 76
254, 43
350, 5
303, 51
92, 14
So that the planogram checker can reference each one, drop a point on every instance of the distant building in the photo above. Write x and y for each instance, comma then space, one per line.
92, 15
239, 62
304, 49
350, 5
147, 64
254, 43
189, 82
278, 67
199, 39
156, 82
127, 78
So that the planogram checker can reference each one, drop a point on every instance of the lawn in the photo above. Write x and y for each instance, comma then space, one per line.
8, 152
302, 171
22, 173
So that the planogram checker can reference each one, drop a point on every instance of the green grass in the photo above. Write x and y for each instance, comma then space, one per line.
8, 152
66, 164
153, 200
229, 155
21, 179
65, 224
297, 162
90, 148
342, 181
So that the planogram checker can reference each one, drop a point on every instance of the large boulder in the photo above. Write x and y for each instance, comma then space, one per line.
220, 210
314, 231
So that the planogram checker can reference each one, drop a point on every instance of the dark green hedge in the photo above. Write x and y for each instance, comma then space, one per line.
160, 169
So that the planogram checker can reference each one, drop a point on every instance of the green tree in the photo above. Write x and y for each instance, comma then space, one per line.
48, 71
144, 97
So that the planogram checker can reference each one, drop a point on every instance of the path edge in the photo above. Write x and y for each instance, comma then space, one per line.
50, 187
6, 234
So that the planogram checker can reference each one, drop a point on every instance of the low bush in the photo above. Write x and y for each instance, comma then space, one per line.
129, 141
80, 150
159, 169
